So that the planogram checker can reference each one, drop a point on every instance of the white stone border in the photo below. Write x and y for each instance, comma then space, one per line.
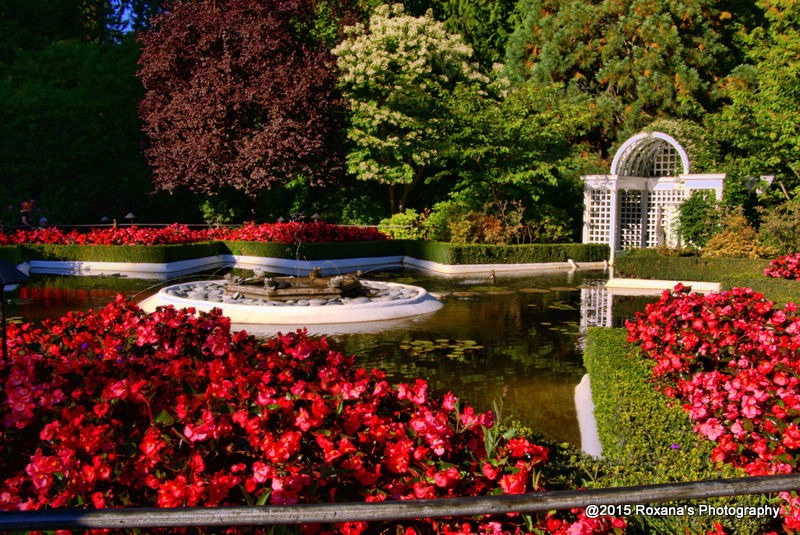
134, 270
475, 269
623, 286
422, 303
165, 271
584, 405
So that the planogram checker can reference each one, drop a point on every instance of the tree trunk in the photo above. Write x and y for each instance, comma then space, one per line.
392, 200
407, 187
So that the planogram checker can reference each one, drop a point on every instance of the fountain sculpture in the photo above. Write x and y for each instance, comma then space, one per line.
299, 301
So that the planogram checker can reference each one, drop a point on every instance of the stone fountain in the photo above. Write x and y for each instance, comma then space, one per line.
312, 287
299, 301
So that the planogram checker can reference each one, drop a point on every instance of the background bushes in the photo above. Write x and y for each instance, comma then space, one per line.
450, 253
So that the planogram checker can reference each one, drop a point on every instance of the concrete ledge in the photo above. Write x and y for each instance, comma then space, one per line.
287, 266
621, 286
133, 270
485, 269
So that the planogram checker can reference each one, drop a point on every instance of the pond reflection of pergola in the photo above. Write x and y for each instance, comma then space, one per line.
636, 205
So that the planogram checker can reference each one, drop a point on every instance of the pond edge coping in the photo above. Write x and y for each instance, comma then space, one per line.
168, 270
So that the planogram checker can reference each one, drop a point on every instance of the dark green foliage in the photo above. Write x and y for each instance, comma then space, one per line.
699, 218
650, 264
449, 253
729, 272
70, 133
484, 24
444, 253
636, 60
758, 128
317, 251
11, 254
780, 227
156, 254
647, 439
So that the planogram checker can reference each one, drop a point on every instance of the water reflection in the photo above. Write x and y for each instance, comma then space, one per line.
522, 336
531, 337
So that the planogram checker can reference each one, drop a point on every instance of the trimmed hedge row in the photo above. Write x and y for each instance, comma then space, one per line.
11, 254
729, 272
317, 251
648, 440
655, 266
456, 253
156, 254
445, 253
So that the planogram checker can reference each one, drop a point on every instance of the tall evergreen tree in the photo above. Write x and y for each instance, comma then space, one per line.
638, 60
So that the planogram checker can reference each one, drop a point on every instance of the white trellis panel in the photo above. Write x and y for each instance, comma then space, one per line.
638, 204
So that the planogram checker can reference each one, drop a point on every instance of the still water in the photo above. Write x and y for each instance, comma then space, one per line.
517, 342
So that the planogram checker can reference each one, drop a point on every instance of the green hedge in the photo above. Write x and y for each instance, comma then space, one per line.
318, 251
456, 253
654, 266
157, 254
648, 440
729, 272
11, 254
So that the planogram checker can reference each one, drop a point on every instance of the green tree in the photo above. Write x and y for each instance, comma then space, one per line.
484, 24
70, 131
759, 129
699, 218
515, 140
398, 73
637, 60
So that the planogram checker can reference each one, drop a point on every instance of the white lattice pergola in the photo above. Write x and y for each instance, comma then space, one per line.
637, 204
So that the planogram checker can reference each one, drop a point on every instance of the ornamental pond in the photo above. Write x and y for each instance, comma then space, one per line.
516, 341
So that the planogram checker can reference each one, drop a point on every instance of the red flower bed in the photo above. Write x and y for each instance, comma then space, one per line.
732, 360
293, 232
784, 267
118, 408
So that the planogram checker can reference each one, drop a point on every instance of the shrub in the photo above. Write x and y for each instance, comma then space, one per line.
409, 220
737, 239
699, 218
451, 253
780, 227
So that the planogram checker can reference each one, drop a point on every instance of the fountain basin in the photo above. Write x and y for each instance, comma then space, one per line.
387, 301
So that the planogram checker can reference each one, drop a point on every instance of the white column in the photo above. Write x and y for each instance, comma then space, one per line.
613, 238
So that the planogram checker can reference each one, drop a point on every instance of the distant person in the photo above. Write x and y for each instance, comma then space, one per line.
42, 222
25, 215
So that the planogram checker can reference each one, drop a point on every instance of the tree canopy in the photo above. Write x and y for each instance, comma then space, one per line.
759, 129
236, 96
638, 60
398, 73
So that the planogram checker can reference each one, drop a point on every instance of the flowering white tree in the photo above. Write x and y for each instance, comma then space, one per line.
399, 73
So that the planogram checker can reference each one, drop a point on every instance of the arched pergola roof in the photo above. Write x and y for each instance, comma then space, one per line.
650, 154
